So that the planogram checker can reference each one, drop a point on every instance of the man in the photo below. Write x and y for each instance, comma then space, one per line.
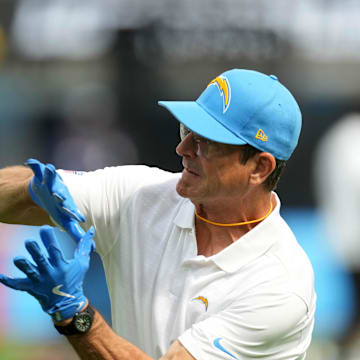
199, 265
340, 211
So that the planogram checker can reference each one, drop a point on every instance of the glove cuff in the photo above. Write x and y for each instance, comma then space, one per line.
64, 311
31, 192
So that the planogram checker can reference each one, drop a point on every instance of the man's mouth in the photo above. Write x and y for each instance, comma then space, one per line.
192, 172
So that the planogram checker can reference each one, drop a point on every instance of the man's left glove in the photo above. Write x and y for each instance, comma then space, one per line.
55, 282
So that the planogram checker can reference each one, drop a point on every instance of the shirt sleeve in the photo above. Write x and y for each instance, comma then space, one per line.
272, 326
102, 196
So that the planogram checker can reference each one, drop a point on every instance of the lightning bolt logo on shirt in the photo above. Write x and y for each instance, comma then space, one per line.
223, 85
203, 300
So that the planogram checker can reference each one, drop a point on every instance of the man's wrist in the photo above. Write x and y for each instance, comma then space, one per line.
80, 324
63, 323
67, 321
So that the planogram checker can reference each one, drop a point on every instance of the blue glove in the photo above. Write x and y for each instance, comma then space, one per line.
48, 190
55, 282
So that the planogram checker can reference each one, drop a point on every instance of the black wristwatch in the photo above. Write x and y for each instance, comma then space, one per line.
80, 324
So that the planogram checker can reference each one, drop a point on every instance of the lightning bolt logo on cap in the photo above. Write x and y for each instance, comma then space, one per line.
223, 85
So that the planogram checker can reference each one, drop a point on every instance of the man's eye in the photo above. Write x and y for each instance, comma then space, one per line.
184, 131
200, 139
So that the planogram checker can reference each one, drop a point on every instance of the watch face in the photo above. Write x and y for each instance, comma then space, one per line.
83, 322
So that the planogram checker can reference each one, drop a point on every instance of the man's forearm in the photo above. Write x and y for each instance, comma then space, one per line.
16, 205
101, 342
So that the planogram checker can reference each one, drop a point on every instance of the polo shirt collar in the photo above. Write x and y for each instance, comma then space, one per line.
249, 247
185, 217
252, 245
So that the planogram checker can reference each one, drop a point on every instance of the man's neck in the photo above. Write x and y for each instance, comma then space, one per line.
211, 239
235, 209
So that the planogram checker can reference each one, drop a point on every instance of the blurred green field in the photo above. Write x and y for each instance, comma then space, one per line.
54, 351
319, 350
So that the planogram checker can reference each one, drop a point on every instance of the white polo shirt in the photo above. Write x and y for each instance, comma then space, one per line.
253, 299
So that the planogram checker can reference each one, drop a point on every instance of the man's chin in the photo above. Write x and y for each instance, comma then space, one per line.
187, 191
181, 189
184, 189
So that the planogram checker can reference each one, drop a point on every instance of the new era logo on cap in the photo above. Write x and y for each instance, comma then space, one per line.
261, 135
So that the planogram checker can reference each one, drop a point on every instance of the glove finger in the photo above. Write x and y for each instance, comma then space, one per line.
16, 284
85, 245
40, 259
73, 228
73, 211
63, 196
27, 268
58, 197
37, 167
52, 246
49, 176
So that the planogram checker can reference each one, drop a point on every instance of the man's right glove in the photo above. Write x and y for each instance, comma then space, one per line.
55, 282
48, 190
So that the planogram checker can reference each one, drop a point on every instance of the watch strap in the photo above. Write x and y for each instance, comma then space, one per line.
71, 328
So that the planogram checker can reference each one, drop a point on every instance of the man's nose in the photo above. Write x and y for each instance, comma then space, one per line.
186, 147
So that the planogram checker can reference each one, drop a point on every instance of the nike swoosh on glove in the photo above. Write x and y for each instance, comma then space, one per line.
55, 282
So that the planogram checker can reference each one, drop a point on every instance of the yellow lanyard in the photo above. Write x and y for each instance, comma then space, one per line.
235, 224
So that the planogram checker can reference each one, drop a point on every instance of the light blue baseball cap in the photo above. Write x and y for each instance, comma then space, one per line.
244, 107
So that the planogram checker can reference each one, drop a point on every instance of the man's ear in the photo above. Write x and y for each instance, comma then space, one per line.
265, 164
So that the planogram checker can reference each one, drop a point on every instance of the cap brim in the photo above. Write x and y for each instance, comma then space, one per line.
194, 117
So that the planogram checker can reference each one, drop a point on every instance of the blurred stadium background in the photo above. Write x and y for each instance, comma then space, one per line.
79, 85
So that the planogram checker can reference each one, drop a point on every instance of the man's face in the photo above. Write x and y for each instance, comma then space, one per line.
212, 171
